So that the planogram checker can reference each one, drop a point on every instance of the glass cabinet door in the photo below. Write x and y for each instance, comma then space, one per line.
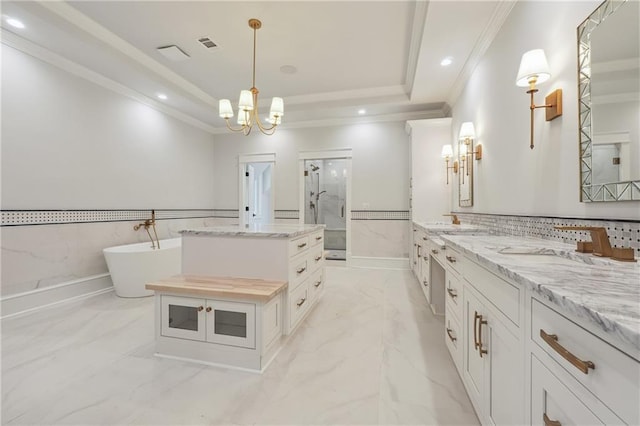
231, 323
183, 317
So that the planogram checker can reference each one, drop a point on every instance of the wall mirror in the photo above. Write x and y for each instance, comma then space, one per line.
465, 173
609, 102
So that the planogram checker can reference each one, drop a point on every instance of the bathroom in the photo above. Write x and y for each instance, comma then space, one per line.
103, 155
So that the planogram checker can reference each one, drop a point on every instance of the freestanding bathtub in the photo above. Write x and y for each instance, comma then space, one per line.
134, 265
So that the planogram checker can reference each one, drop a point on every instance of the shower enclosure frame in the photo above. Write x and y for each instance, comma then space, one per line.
334, 154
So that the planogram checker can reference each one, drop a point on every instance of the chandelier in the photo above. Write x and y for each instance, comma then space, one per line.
248, 104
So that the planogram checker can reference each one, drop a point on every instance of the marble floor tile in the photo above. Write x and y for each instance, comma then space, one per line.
370, 352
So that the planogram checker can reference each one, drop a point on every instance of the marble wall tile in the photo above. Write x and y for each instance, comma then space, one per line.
380, 238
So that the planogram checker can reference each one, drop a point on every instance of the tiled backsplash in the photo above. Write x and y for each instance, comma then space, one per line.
621, 233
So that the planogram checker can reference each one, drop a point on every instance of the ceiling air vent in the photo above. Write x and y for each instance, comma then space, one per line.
207, 42
173, 53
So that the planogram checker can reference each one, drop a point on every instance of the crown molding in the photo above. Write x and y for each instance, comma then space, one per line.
500, 14
75, 17
45, 55
417, 30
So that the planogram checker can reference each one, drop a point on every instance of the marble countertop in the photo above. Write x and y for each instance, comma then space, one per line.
602, 291
447, 228
269, 230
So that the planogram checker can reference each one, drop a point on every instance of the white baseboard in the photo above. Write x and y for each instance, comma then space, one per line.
22, 303
379, 262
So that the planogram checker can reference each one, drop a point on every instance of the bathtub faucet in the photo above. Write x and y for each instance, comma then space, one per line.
150, 223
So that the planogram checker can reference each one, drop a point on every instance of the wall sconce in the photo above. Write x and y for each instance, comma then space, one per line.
447, 153
467, 135
535, 69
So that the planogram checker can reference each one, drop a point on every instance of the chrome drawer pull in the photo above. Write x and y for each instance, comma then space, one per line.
301, 270
552, 340
549, 422
453, 339
302, 245
301, 302
317, 284
434, 251
451, 259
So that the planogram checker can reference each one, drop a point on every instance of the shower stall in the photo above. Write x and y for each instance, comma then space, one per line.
325, 191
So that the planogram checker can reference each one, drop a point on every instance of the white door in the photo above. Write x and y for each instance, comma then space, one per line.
474, 365
257, 192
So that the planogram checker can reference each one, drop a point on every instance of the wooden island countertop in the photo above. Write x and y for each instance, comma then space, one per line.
236, 288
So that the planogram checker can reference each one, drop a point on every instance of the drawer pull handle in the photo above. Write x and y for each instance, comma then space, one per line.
424, 238
318, 238
200, 308
452, 293
208, 309
317, 284
453, 339
451, 259
302, 245
425, 283
301, 302
549, 422
301, 270
317, 258
434, 251
552, 340
477, 319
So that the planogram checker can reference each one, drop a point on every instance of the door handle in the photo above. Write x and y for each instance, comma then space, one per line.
549, 422
552, 340
452, 293
453, 339
481, 322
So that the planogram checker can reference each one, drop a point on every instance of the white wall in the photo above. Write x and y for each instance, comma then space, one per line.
511, 178
380, 174
70, 144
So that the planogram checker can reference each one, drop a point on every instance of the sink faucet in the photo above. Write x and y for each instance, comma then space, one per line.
599, 238
454, 218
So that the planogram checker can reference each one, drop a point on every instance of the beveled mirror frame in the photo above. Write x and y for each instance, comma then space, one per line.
589, 192
465, 174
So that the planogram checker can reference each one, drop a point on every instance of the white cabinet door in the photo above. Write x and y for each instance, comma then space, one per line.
183, 317
474, 364
231, 323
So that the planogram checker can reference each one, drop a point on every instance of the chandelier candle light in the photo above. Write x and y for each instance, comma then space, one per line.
248, 104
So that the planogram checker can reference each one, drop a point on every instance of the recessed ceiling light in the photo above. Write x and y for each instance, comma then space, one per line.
162, 96
15, 23
288, 69
362, 111
446, 61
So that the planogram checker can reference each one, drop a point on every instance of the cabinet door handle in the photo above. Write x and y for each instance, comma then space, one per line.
549, 422
318, 238
425, 283
434, 251
552, 340
453, 339
200, 308
452, 293
301, 302
317, 284
475, 329
302, 245
451, 259
424, 238
481, 322
301, 270
317, 258
208, 309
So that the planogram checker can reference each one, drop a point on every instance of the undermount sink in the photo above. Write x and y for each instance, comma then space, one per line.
540, 255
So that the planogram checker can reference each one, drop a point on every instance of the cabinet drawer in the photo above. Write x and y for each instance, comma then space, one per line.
298, 270
452, 260
453, 294
316, 284
298, 245
298, 304
316, 257
453, 338
316, 238
554, 400
500, 293
614, 376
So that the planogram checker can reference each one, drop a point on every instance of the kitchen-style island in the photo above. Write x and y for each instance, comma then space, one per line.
243, 289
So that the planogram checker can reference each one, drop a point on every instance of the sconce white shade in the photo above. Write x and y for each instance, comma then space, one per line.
224, 108
467, 130
246, 100
533, 66
277, 107
447, 151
